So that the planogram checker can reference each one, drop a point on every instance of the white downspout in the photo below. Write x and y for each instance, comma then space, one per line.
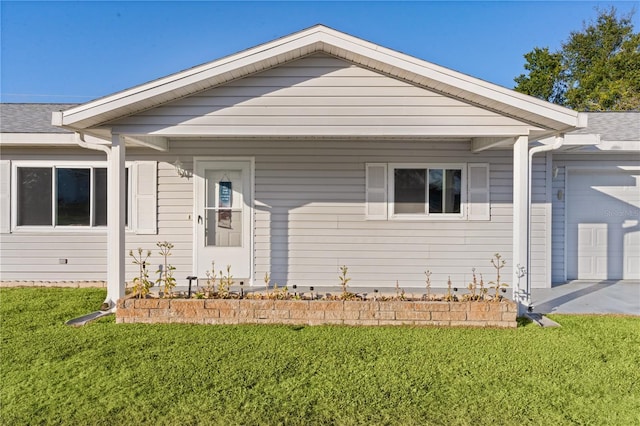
80, 140
559, 140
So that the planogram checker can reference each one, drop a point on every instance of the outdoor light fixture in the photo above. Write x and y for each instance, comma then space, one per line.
180, 170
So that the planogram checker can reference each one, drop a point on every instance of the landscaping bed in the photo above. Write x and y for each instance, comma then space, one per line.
318, 312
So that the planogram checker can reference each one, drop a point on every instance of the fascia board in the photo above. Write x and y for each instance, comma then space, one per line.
37, 139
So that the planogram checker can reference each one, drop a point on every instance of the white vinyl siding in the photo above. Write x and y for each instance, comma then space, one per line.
322, 96
539, 267
310, 215
310, 218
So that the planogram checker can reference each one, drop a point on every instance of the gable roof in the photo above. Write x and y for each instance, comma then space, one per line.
30, 118
317, 39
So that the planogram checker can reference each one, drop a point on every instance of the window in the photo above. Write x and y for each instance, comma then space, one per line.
63, 196
427, 192
430, 191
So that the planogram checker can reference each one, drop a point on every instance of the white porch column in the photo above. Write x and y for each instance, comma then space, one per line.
115, 220
521, 223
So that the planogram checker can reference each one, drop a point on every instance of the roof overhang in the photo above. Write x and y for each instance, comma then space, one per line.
320, 39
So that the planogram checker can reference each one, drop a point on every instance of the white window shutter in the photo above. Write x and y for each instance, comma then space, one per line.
478, 201
5, 197
144, 197
376, 183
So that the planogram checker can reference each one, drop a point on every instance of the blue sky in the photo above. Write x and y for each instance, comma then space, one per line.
78, 51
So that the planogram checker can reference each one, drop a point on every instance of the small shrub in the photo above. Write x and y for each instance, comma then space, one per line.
428, 283
344, 280
450, 297
400, 295
166, 271
141, 283
498, 263
209, 290
224, 284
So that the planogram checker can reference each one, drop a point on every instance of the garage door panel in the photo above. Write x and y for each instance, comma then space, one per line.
603, 236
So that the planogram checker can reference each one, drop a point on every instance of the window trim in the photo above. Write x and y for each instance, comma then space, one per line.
53, 165
426, 216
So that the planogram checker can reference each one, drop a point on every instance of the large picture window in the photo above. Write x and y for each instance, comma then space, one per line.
63, 196
426, 191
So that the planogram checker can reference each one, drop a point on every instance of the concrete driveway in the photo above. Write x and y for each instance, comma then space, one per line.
589, 297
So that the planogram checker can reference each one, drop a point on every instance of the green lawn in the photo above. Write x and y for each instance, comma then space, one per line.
587, 372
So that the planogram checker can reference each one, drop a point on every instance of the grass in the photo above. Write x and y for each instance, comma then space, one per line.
586, 372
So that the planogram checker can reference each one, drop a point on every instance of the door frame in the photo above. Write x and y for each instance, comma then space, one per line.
250, 204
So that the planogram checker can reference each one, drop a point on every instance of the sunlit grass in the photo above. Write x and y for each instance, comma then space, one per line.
586, 372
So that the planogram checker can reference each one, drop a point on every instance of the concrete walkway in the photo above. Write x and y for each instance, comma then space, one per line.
589, 297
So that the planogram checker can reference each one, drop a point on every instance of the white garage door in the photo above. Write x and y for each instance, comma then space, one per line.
603, 224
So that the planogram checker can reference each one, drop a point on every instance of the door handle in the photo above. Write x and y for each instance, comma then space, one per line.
199, 219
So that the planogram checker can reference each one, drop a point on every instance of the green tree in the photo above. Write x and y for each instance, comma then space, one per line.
596, 69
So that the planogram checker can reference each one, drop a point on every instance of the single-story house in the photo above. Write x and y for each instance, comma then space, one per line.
314, 151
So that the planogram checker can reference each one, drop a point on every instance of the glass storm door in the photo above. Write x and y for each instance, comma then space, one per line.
223, 218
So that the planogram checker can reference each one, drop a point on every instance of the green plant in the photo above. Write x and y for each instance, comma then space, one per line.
281, 293
428, 283
476, 288
483, 289
450, 297
141, 283
400, 295
166, 277
211, 281
224, 284
498, 263
267, 281
344, 280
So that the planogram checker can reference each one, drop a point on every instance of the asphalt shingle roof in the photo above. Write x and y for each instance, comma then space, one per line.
613, 126
30, 118
36, 118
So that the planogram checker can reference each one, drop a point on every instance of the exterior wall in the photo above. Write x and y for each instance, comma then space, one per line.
321, 96
563, 162
34, 255
310, 214
309, 219
540, 268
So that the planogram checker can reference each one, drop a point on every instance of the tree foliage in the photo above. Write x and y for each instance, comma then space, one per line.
596, 69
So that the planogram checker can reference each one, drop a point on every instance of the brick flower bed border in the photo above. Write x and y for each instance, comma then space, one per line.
317, 312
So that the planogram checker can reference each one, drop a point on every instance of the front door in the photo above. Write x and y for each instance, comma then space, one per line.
223, 211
